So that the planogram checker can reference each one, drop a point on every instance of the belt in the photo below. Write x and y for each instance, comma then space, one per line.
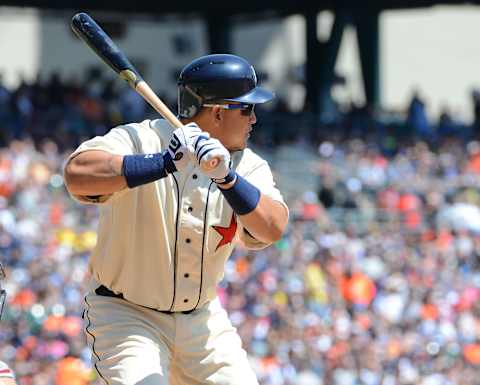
106, 292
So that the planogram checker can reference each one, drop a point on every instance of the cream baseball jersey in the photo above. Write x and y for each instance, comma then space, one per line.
164, 244
5, 371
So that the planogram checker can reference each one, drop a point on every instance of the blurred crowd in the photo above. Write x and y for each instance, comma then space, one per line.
67, 111
376, 282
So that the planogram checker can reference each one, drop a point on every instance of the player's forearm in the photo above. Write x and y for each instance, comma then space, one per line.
263, 217
268, 221
94, 173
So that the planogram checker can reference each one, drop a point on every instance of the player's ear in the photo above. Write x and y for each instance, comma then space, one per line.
217, 114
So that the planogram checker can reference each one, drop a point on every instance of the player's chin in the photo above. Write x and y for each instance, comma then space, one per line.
240, 144
238, 147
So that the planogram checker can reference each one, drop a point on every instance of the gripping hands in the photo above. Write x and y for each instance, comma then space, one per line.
179, 148
189, 142
206, 149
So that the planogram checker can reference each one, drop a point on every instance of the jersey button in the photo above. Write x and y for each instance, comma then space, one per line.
185, 300
194, 176
186, 275
187, 240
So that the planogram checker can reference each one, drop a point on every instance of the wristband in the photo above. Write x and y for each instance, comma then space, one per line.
140, 169
243, 196
228, 178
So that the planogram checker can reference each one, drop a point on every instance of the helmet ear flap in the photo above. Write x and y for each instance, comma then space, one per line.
189, 102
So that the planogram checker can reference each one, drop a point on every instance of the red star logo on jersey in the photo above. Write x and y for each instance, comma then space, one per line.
227, 233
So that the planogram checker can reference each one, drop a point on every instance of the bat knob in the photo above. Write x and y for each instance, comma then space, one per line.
211, 164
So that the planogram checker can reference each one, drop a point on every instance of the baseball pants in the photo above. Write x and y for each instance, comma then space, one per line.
132, 344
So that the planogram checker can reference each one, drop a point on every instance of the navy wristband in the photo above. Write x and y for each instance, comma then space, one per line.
228, 178
140, 169
243, 196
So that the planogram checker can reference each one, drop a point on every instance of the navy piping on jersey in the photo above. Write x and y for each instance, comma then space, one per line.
93, 343
175, 256
205, 227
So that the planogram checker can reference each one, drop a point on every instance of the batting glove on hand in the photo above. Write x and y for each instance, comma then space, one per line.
179, 149
207, 149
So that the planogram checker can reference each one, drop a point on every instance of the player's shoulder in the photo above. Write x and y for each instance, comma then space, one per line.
250, 155
162, 128
146, 125
247, 160
138, 127
146, 135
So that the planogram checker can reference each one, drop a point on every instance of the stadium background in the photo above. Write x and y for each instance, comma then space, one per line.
377, 279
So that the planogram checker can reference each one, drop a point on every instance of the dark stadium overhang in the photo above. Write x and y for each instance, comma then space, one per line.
221, 16
277, 7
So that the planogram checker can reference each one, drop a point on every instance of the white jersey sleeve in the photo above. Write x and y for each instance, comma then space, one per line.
5, 371
121, 140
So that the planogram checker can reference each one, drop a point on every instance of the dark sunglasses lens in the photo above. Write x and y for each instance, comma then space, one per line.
247, 111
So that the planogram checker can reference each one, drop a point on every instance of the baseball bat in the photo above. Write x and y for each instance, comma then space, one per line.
95, 37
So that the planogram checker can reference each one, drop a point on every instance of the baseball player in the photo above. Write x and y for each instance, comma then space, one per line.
168, 224
7, 377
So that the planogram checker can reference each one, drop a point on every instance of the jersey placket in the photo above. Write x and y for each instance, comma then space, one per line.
190, 240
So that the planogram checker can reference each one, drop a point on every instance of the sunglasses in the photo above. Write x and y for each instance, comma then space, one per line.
245, 108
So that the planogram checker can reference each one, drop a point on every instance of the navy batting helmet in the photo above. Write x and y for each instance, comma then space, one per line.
219, 77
